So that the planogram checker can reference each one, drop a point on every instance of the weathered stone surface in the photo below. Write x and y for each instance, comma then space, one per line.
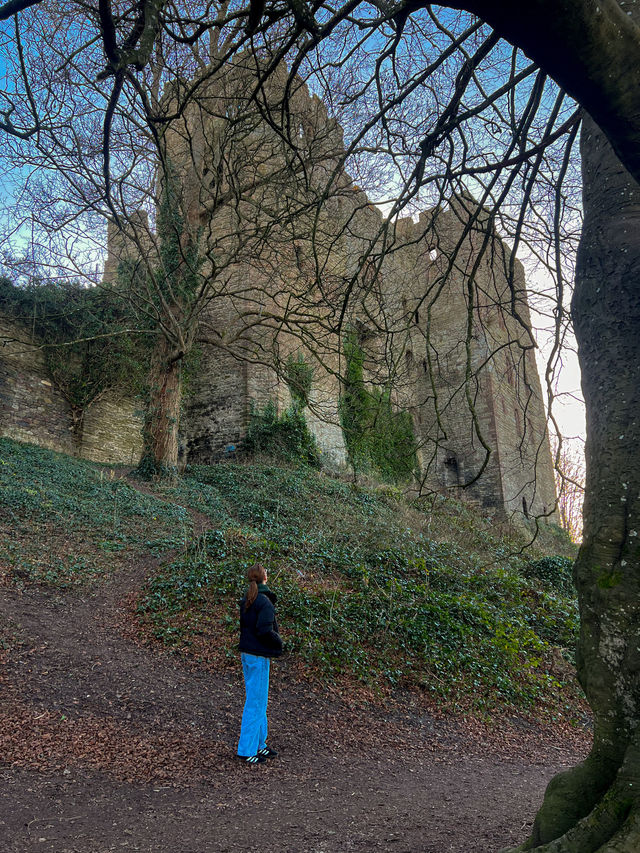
472, 387
32, 410
439, 305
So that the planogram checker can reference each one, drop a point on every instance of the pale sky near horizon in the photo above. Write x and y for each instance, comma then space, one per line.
568, 406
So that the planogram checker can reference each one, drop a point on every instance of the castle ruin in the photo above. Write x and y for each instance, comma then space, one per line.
438, 304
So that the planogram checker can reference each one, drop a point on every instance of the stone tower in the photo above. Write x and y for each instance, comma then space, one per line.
466, 361
296, 254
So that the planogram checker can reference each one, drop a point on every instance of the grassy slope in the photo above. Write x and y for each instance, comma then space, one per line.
374, 589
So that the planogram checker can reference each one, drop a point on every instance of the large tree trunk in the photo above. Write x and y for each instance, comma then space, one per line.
162, 416
596, 806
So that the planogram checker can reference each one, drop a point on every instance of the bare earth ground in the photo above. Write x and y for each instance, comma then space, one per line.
106, 745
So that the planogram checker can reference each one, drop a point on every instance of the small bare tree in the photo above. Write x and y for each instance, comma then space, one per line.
570, 480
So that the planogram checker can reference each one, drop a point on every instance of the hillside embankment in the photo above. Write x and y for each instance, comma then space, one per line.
426, 698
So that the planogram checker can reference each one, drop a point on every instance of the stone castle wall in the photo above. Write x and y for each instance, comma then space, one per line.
467, 364
464, 369
32, 410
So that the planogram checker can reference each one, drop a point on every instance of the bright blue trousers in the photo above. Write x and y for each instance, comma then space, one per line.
253, 732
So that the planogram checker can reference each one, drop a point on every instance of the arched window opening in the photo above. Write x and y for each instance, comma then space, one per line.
451, 471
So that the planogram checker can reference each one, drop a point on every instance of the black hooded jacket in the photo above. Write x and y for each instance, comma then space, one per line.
258, 627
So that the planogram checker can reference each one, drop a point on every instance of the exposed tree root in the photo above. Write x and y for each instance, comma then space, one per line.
570, 797
613, 824
627, 840
610, 828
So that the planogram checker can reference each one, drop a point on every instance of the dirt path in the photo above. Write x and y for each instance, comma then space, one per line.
108, 746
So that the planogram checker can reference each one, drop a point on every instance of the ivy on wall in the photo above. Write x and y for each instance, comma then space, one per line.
85, 337
299, 377
283, 436
286, 436
378, 438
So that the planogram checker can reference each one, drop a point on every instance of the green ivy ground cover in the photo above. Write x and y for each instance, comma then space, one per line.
372, 588
363, 593
61, 516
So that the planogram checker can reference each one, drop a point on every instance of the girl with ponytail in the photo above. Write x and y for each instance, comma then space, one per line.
259, 642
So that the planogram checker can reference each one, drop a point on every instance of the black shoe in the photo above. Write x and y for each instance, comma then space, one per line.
253, 759
265, 752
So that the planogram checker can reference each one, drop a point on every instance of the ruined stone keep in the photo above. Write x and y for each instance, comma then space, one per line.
437, 304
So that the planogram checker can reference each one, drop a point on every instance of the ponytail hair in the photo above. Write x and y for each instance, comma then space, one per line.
255, 575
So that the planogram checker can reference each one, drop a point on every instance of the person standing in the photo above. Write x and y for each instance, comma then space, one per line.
259, 642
